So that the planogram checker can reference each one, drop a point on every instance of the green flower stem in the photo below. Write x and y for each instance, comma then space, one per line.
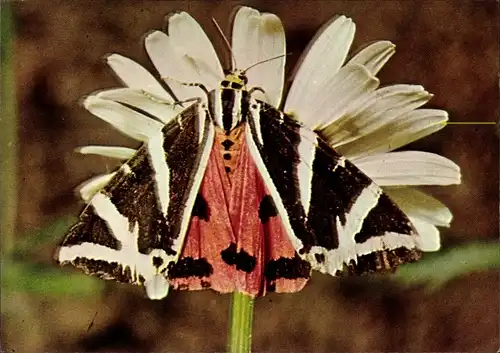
240, 323
8, 135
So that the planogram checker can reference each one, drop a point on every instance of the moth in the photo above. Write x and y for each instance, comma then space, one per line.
235, 195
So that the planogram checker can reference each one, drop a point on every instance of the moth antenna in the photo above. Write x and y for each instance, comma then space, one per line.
265, 61
233, 58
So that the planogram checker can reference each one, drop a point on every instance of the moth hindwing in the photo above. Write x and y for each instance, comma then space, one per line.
237, 196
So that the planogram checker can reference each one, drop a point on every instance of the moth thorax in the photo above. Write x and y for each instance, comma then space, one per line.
229, 106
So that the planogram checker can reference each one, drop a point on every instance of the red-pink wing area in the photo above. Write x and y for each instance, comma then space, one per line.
248, 251
207, 238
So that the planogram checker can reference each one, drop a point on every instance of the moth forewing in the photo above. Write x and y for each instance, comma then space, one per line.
336, 217
134, 227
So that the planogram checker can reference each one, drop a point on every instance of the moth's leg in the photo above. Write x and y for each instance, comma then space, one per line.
196, 84
174, 103
155, 98
194, 99
190, 84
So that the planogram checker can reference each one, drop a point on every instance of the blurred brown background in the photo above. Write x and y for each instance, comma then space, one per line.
449, 47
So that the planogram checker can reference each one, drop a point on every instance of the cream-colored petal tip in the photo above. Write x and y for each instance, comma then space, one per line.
341, 19
247, 11
115, 60
419, 205
118, 152
157, 287
90, 101
117, 94
83, 149
409, 168
94, 102
429, 238
375, 55
154, 37
271, 24
383, 45
180, 19
379, 48
89, 188
179, 16
454, 173
438, 116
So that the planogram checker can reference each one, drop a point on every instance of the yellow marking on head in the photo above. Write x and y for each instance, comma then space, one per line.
234, 80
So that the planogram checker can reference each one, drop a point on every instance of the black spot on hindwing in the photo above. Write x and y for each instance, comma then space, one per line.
288, 268
189, 267
267, 209
241, 259
201, 208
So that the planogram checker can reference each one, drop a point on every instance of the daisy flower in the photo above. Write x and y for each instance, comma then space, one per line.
338, 98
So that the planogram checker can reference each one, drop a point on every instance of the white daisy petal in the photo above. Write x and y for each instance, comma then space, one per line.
197, 51
351, 83
162, 110
418, 204
122, 153
173, 70
398, 132
258, 37
374, 56
320, 63
429, 239
382, 106
122, 118
176, 66
90, 187
134, 75
409, 168
184, 56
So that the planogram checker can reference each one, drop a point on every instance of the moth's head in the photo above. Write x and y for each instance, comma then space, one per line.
236, 80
